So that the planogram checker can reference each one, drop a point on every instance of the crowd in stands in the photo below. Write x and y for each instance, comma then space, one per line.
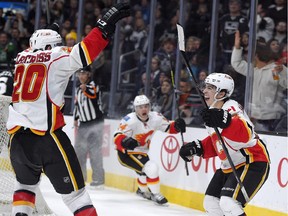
17, 27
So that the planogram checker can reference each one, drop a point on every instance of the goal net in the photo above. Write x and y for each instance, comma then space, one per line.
7, 177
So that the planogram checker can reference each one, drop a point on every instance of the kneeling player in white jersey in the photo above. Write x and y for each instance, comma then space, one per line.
247, 150
35, 121
132, 141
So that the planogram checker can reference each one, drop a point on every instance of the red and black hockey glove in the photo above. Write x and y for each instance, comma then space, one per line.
129, 143
111, 17
216, 117
190, 149
180, 125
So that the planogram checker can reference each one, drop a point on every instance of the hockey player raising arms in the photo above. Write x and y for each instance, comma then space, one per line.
247, 150
132, 141
35, 119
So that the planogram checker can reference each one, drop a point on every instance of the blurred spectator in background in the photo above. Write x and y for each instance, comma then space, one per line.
265, 24
7, 50
164, 102
278, 11
245, 44
6, 82
153, 91
160, 25
201, 78
274, 46
155, 71
139, 35
16, 39
228, 24
199, 19
15, 21
71, 39
166, 52
281, 32
269, 83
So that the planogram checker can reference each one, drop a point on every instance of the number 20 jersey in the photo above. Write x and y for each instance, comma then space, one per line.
40, 80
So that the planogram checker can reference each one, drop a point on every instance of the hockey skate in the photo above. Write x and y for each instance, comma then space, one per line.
145, 195
159, 199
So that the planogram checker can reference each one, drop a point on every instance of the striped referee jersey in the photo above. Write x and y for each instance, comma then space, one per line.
88, 104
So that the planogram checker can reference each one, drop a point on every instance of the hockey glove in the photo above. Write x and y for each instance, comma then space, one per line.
111, 17
216, 117
180, 125
190, 149
129, 143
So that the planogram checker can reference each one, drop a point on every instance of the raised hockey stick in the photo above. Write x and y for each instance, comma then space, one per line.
177, 104
48, 13
181, 42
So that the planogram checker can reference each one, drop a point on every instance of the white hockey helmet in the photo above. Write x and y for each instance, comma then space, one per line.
222, 82
43, 38
140, 100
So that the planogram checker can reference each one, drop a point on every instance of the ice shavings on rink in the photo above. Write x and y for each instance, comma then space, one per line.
110, 201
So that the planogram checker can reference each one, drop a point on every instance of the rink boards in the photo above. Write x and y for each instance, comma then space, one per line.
188, 190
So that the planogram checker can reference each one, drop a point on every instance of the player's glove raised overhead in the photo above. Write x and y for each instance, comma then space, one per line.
180, 125
129, 143
216, 117
111, 17
190, 149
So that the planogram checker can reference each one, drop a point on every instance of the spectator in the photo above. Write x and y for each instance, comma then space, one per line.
71, 39
228, 24
265, 24
245, 44
201, 78
155, 71
278, 11
267, 88
7, 50
164, 102
274, 46
281, 32
132, 139
189, 103
89, 116
153, 92
166, 52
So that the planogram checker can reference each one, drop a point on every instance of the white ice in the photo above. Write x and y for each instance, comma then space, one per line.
112, 202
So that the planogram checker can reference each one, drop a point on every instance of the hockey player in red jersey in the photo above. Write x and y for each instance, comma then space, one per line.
132, 140
248, 152
35, 121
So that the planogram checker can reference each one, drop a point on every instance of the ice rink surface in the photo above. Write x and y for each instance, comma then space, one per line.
112, 202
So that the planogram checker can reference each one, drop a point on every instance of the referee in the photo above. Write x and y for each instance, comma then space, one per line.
89, 122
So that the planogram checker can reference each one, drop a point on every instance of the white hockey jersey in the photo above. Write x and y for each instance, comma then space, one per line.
243, 144
40, 80
132, 126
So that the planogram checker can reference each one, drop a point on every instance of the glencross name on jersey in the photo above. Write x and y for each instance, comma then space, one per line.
41, 57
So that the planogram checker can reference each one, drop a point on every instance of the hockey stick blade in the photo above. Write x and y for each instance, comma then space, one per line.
181, 37
181, 40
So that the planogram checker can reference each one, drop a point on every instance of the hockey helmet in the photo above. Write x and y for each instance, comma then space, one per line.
222, 82
140, 100
43, 38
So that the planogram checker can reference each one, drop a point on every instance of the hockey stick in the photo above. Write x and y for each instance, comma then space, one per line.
48, 13
177, 104
181, 41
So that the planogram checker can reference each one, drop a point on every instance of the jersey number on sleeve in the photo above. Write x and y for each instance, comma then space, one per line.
28, 82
